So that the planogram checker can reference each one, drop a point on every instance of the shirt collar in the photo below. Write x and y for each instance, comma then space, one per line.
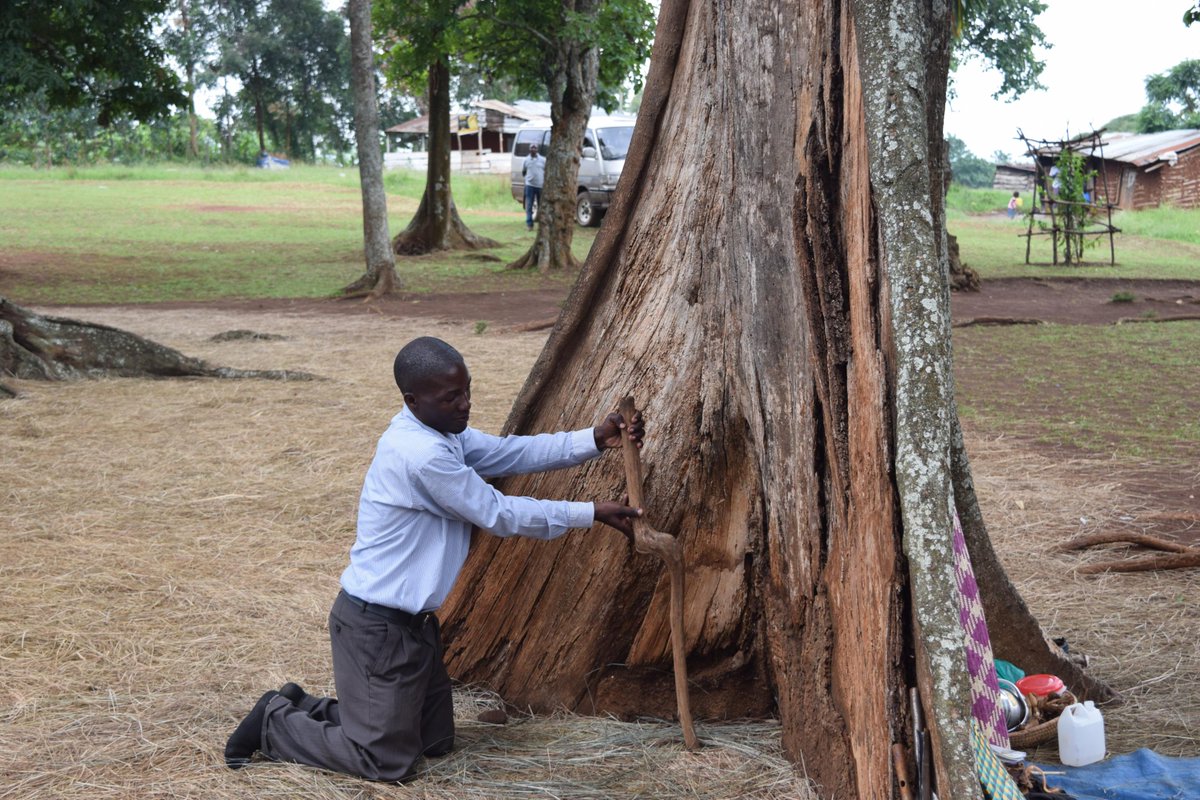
407, 414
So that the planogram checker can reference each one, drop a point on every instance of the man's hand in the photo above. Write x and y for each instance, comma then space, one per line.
608, 432
616, 515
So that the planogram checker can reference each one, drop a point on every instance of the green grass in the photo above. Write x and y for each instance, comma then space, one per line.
1127, 390
148, 234
961, 201
1157, 243
1174, 224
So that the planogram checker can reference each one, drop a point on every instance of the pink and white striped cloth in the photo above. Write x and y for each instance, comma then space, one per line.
985, 688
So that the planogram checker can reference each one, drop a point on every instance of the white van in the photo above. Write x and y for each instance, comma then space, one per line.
605, 144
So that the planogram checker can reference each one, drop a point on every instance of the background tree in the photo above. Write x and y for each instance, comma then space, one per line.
421, 36
1004, 35
967, 168
579, 52
787, 331
189, 40
97, 53
380, 276
1173, 99
290, 61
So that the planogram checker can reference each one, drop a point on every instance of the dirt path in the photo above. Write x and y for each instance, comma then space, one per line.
1074, 301
1078, 301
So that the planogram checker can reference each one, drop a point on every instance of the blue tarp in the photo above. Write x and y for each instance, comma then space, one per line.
1140, 775
268, 161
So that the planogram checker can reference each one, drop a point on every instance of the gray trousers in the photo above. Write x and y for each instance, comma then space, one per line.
393, 706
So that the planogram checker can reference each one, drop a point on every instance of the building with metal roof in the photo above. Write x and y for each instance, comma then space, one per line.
1143, 170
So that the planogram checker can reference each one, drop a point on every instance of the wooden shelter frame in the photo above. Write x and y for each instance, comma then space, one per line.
1046, 203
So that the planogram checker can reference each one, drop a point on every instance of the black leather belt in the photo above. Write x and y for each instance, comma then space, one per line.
413, 621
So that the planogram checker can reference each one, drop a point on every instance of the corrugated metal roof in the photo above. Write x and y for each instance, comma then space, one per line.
506, 109
1143, 149
418, 125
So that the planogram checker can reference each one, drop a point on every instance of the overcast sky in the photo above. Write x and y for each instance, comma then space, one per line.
1103, 50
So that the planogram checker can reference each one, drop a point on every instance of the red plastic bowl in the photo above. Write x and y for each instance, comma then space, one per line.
1041, 685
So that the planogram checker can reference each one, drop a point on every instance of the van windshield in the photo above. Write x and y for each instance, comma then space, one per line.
614, 142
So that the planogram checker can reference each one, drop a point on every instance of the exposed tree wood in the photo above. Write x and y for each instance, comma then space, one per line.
33, 346
1112, 537
974, 321
380, 276
900, 47
437, 225
663, 545
745, 283
1191, 558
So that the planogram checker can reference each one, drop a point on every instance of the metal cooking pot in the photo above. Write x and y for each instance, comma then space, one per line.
1016, 709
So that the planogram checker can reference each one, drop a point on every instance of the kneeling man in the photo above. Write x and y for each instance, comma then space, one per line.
423, 494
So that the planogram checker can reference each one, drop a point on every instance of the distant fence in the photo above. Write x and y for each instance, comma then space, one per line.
486, 162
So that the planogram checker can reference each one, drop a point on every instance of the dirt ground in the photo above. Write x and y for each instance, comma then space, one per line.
171, 548
1068, 301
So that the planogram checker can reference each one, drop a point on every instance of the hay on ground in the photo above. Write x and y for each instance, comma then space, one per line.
170, 549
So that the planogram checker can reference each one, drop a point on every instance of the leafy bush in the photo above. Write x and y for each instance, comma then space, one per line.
967, 168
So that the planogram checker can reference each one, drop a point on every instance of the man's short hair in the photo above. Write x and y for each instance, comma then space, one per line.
422, 359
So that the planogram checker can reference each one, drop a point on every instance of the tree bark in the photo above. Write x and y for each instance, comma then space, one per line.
37, 347
380, 277
768, 260
437, 225
904, 54
572, 89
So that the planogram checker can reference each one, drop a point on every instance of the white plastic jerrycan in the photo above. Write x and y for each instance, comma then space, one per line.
1081, 734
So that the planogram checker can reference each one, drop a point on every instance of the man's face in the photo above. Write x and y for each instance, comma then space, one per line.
444, 401
533, 151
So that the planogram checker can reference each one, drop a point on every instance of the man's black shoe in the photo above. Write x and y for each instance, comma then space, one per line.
294, 692
247, 737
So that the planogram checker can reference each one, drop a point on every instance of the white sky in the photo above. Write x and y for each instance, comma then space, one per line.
1096, 70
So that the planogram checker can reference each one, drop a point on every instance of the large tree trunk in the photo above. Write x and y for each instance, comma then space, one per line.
37, 347
437, 225
380, 277
775, 248
572, 89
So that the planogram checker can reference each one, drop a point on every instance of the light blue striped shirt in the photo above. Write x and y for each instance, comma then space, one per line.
425, 490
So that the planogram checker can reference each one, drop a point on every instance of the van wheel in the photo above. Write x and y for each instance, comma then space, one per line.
585, 215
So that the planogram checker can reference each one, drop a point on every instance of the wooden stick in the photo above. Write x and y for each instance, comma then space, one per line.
1164, 561
666, 547
1111, 537
900, 763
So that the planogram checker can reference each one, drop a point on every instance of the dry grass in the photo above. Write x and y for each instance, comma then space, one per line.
170, 549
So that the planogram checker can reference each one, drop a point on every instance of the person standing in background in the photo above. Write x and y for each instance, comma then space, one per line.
534, 170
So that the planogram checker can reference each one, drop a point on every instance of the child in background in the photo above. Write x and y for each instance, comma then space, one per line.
1014, 205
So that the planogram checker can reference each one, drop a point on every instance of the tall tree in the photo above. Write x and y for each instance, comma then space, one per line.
422, 35
289, 60
78, 53
1004, 35
578, 50
1173, 99
787, 331
189, 39
380, 277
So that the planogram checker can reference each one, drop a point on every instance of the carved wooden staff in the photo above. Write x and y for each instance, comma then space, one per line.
665, 546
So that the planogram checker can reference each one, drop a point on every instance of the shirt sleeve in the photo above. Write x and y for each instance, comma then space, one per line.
455, 490
496, 456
